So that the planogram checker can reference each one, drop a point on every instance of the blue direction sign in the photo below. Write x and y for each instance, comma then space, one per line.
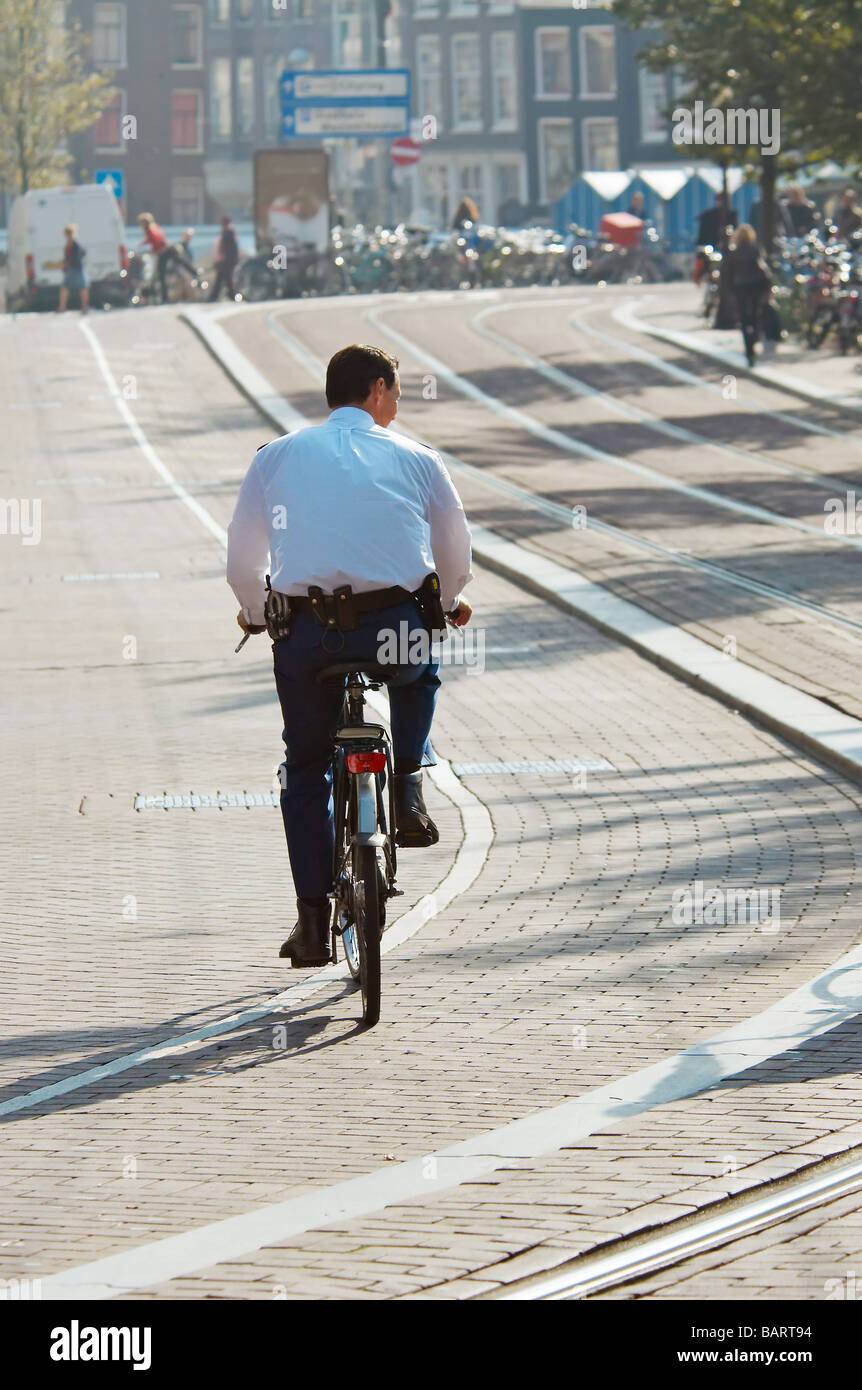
340, 102
113, 178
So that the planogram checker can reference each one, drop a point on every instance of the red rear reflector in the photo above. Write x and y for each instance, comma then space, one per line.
365, 762
124, 258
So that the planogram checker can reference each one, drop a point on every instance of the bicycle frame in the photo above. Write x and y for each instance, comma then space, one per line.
358, 796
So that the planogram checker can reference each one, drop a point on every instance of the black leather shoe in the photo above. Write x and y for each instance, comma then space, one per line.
414, 828
308, 943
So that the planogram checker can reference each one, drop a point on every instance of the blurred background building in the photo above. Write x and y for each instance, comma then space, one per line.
511, 100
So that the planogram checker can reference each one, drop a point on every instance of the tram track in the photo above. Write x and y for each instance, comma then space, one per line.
565, 515
617, 1263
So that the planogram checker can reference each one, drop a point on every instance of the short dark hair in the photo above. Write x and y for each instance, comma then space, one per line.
353, 371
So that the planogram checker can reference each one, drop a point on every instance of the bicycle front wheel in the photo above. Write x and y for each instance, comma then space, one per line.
366, 916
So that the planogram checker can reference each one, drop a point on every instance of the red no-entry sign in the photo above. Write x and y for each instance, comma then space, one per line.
404, 151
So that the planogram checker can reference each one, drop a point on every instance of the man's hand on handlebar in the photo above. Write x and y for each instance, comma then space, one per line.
460, 616
250, 629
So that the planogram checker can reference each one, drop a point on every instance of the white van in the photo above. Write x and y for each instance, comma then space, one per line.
34, 270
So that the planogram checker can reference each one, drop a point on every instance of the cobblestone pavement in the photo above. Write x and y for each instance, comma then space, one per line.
560, 969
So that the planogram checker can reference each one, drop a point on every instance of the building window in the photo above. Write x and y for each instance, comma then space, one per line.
273, 67
106, 131
347, 33
186, 36
187, 201
504, 77
434, 185
653, 105
245, 97
507, 188
466, 82
601, 143
185, 122
429, 83
109, 36
556, 158
470, 182
219, 11
553, 64
221, 123
598, 61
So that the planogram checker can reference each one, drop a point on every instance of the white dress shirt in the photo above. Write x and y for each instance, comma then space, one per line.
346, 502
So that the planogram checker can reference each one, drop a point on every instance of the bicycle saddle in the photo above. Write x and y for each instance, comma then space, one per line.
370, 669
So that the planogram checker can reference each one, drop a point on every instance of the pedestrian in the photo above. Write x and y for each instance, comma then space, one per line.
226, 258
73, 271
165, 255
798, 215
637, 206
749, 280
713, 222
466, 211
355, 520
848, 215
184, 250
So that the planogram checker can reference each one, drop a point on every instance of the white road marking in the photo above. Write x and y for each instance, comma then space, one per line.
627, 410
476, 823
66, 482
834, 737
771, 376
478, 835
625, 315
825, 1002
522, 421
94, 578
144, 445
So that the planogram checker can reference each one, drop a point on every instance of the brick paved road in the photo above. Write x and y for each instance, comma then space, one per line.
823, 660
120, 929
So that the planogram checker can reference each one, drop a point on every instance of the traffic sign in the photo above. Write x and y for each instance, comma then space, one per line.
113, 178
345, 102
404, 151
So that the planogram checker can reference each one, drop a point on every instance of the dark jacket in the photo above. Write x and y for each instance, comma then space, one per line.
799, 218
227, 249
746, 269
709, 225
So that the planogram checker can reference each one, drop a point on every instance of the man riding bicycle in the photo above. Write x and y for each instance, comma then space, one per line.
354, 519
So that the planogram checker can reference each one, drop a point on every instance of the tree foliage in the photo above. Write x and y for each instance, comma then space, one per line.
46, 93
804, 58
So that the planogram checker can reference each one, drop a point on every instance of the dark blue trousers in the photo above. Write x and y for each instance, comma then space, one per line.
312, 713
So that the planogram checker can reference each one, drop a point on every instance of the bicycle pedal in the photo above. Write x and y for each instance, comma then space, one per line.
395, 893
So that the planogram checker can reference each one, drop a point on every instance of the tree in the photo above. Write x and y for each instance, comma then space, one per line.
45, 93
800, 59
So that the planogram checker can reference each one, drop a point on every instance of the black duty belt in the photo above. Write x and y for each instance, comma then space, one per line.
329, 608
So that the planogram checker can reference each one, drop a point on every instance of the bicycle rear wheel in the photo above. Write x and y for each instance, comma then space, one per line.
366, 915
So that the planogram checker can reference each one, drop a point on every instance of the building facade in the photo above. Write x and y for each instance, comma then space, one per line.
522, 97
154, 130
198, 92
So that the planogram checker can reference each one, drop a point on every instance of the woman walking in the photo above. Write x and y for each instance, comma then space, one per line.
749, 281
73, 271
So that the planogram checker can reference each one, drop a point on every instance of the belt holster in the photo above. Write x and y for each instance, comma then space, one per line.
276, 613
334, 610
430, 606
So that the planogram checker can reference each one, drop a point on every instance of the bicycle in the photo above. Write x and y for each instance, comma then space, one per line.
364, 858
